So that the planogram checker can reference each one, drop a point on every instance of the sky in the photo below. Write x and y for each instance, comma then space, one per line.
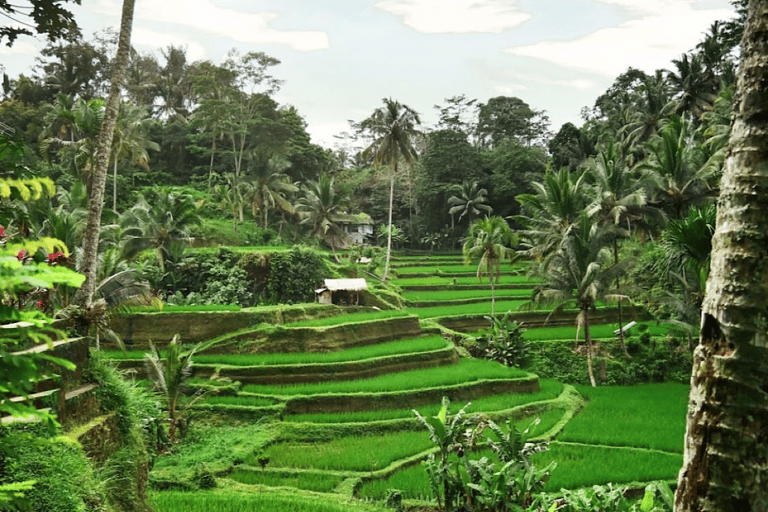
340, 58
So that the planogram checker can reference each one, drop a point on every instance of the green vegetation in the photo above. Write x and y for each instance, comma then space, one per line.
448, 295
247, 500
597, 331
646, 416
478, 309
318, 482
550, 389
469, 370
171, 308
408, 346
350, 318
447, 281
355, 453
452, 269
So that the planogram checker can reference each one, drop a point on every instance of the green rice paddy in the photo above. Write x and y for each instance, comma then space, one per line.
448, 281
469, 370
349, 318
477, 309
319, 482
605, 331
646, 416
550, 389
233, 501
449, 295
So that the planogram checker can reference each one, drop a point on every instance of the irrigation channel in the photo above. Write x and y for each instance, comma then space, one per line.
310, 407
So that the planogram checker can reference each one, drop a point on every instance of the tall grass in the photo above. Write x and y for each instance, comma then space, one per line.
648, 416
353, 453
468, 370
230, 501
549, 389
308, 481
349, 318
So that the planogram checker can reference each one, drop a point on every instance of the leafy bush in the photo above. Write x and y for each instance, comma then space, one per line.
294, 275
503, 342
64, 481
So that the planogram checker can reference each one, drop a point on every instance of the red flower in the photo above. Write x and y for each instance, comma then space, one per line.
21, 255
39, 304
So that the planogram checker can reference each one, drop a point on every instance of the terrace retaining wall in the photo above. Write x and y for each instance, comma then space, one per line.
138, 329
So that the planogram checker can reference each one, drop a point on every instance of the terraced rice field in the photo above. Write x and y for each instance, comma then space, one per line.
623, 434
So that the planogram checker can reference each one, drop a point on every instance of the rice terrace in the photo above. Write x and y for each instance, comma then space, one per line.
229, 282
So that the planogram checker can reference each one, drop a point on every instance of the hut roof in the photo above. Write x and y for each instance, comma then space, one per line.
352, 285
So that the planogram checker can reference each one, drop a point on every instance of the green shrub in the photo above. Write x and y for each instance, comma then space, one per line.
294, 275
64, 480
652, 361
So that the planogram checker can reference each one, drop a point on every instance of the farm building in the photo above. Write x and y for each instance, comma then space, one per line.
357, 227
342, 292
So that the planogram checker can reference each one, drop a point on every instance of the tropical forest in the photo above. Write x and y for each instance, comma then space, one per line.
203, 310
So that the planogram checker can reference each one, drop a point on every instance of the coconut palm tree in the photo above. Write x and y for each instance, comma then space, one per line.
470, 201
103, 151
131, 141
676, 169
725, 442
580, 270
392, 127
618, 198
168, 375
321, 207
491, 241
549, 213
694, 86
269, 185
159, 219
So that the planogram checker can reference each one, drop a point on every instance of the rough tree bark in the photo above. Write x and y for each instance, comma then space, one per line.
725, 464
99, 173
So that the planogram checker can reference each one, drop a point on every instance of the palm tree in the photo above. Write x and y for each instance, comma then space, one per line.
618, 198
725, 442
158, 220
131, 141
693, 85
491, 241
103, 150
392, 127
676, 169
656, 107
580, 270
269, 185
470, 201
168, 375
321, 207
549, 213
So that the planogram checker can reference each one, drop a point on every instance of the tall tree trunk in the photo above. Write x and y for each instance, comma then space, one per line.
726, 445
588, 339
114, 187
391, 206
621, 318
98, 182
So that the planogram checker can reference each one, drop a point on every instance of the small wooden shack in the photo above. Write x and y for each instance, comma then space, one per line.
342, 292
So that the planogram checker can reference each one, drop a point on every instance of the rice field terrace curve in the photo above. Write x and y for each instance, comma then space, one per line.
340, 437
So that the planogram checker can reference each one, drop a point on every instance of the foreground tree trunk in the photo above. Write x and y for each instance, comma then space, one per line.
725, 464
98, 180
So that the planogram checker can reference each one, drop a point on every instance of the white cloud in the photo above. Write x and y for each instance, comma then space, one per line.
456, 16
648, 43
205, 16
